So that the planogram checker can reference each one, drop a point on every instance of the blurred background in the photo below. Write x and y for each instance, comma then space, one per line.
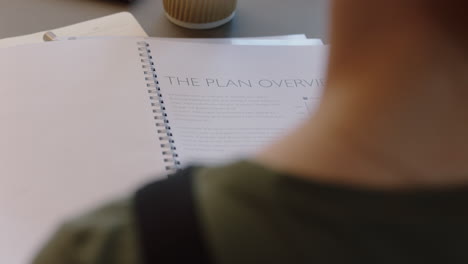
253, 18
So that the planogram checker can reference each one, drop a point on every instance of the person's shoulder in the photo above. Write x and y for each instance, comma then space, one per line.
240, 174
104, 235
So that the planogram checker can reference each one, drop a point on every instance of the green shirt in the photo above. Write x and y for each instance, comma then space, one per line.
255, 215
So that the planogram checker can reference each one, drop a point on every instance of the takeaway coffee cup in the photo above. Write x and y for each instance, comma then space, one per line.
200, 14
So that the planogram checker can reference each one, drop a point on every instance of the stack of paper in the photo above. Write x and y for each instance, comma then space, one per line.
120, 24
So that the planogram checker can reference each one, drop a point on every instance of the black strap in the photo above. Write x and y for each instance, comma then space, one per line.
170, 230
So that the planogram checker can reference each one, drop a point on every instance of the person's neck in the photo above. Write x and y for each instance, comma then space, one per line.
393, 115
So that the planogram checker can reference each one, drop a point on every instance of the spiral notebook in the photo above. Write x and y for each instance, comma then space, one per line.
86, 120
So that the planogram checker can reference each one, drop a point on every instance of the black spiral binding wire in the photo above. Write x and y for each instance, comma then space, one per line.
158, 108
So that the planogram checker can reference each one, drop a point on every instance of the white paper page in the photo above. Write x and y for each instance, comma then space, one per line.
284, 37
120, 24
220, 40
290, 40
76, 129
274, 42
225, 102
231, 41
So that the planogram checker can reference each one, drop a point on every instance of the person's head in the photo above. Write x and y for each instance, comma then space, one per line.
353, 20
365, 33
394, 108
